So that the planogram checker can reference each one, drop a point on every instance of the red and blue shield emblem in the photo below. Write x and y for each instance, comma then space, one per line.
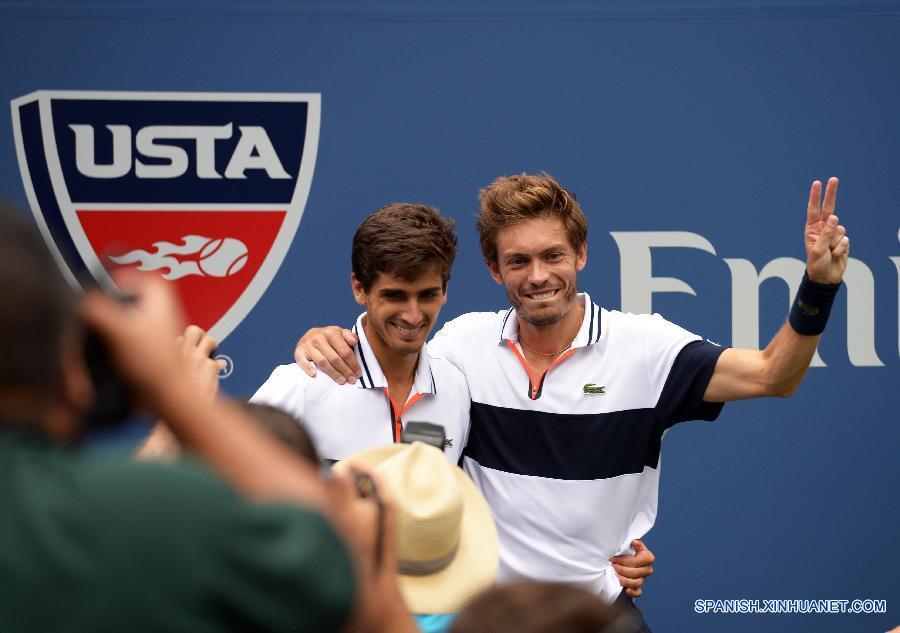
207, 189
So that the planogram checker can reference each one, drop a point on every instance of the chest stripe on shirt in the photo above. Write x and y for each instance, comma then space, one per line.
592, 445
564, 446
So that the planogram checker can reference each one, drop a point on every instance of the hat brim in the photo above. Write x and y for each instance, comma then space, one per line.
473, 569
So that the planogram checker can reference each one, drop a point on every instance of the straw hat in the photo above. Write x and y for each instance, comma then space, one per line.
446, 539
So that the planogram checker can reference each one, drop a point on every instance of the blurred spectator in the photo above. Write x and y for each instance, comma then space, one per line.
542, 607
290, 431
121, 545
196, 346
446, 540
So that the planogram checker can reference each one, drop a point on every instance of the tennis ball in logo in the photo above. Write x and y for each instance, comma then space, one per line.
223, 257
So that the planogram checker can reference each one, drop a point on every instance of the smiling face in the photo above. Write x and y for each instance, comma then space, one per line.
401, 313
538, 266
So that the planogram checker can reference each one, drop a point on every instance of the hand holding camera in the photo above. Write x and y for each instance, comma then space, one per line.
140, 338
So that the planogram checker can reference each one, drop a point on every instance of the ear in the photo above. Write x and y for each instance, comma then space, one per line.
581, 257
76, 391
359, 292
76, 388
494, 269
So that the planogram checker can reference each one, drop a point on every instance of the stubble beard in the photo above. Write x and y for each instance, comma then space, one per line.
544, 319
407, 349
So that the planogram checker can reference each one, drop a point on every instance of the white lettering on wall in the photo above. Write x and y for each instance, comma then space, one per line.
638, 286
254, 150
637, 281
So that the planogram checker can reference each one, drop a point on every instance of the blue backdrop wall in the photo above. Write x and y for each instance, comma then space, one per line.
666, 119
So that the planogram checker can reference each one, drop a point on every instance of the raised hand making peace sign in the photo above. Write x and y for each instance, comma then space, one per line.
827, 245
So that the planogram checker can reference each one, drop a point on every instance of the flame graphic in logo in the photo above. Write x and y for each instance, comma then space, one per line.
217, 257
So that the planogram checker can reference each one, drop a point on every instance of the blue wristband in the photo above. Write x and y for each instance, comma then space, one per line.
811, 308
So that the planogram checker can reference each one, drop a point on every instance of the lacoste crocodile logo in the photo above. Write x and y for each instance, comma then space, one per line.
591, 389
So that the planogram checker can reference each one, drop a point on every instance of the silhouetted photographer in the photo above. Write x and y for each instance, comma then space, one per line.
246, 537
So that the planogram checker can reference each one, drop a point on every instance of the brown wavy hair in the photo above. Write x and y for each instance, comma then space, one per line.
513, 199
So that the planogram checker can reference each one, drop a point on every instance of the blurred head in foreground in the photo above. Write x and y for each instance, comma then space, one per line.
541, 607
42, 375
285, 427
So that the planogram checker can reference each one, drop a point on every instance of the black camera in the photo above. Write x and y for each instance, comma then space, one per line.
112, 396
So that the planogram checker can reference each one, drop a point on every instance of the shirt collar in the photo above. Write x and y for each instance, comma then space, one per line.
372, 374
589, 333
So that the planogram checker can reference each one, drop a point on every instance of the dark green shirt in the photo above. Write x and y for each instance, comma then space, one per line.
93, 545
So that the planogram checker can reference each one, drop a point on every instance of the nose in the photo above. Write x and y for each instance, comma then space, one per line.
537, 273
412, 313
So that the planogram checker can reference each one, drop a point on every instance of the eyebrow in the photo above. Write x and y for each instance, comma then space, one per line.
401, 291
549, 249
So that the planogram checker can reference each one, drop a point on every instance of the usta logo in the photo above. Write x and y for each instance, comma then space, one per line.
254, 150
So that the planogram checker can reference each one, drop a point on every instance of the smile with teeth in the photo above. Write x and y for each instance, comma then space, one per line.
543, 295
407, 331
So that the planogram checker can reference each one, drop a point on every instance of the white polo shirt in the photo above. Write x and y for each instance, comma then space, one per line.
343, 419
569, 461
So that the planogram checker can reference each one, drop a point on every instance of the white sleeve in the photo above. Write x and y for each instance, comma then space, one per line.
663, 341
285, 389
445, 343
679, 366
458, 335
